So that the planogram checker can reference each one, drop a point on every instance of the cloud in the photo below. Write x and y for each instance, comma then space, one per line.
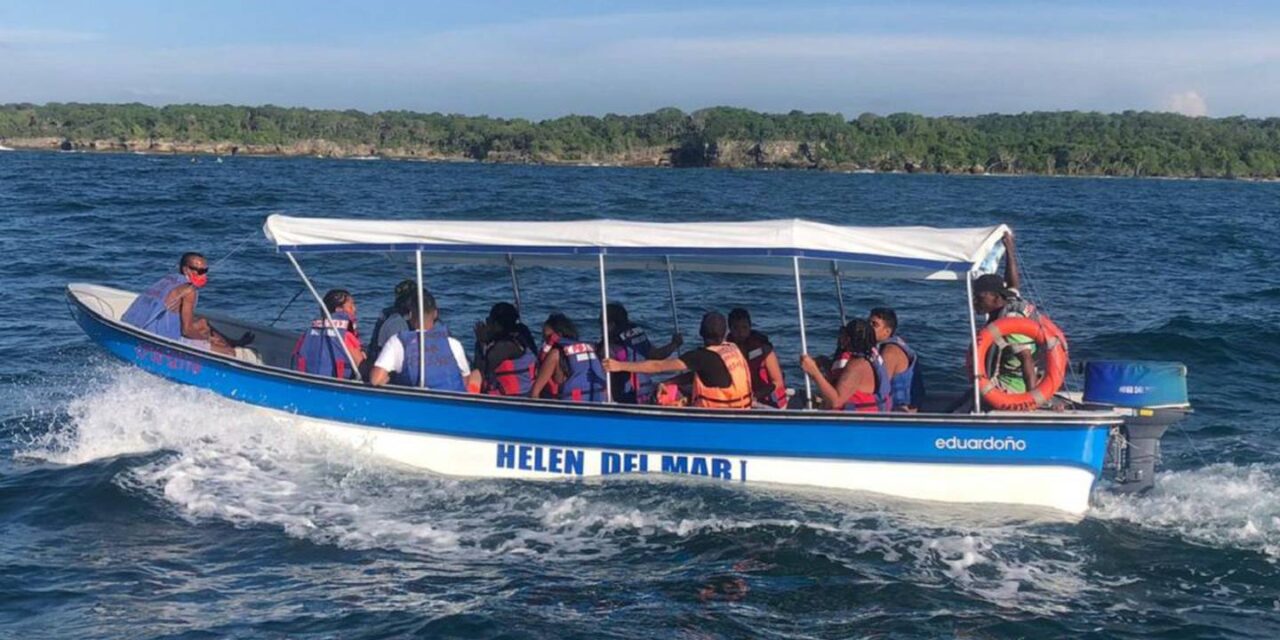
1188, 103
814, 60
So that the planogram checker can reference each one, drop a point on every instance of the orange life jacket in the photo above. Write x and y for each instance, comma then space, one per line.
735, 396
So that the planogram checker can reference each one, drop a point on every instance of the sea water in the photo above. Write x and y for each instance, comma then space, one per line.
133, 508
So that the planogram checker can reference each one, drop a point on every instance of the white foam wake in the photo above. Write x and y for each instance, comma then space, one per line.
1221, 505
231, 463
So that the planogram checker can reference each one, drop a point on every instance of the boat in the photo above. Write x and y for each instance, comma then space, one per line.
1049, 459
4, 148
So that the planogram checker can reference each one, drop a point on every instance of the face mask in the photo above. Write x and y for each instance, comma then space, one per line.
198, 279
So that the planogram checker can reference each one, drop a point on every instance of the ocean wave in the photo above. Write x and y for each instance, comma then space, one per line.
1219, 505
1191, 342
218, 461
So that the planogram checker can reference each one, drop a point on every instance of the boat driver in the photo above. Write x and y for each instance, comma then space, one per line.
998, 298
444, 366
717, 372
168, 309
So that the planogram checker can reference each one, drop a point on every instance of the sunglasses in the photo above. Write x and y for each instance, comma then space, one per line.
199, 271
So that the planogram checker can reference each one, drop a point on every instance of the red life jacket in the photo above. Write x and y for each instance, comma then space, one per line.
756, 348
513, 376
878, 401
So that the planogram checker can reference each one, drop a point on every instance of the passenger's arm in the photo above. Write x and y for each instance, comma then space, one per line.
774, 369
193, 326
834, 396
665, 351
378, 376
830, 396
471, 381
545, 372
1011, 277
646, 366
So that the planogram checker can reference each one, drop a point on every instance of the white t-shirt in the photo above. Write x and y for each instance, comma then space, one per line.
391, 358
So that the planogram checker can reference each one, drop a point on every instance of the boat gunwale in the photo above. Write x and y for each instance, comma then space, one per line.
1072, 419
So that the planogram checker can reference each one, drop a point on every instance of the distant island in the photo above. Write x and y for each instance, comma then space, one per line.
1047, 143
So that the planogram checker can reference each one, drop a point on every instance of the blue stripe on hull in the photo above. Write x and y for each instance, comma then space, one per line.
939, 439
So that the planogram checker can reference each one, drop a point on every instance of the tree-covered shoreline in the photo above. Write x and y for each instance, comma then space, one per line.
1049, 143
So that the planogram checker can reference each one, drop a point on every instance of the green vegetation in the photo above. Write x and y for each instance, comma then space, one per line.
1129, 143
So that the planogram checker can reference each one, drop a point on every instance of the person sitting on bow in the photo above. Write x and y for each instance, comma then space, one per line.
168, 309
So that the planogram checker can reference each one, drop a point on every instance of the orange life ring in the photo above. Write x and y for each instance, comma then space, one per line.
1048, 337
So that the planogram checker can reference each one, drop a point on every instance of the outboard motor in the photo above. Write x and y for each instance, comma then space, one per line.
1152, 396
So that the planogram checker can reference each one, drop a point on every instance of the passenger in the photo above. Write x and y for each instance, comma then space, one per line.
556, 324
991, 295
319, 350
568, 365
857, 380
505, 352
767, 383
628, 343
717, 372
394, 318
444, 364
899, 360
168, 309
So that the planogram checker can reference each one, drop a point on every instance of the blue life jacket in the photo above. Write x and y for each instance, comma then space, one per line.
319, 350
149, 313
442, 372
632, 345
584, 377
908, 386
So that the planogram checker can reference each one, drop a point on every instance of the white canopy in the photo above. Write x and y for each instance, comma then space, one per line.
766, 246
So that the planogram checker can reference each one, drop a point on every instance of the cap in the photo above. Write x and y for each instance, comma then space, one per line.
989, 283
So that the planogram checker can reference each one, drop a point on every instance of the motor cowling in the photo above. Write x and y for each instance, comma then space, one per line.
1151, 396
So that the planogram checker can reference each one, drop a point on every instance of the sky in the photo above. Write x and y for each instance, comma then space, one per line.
545, 59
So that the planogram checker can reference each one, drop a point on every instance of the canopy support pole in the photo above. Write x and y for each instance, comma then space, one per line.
671, 288
973, 345
604, 330
835, 271
422, 342
325, 310
804, 340
515, 281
